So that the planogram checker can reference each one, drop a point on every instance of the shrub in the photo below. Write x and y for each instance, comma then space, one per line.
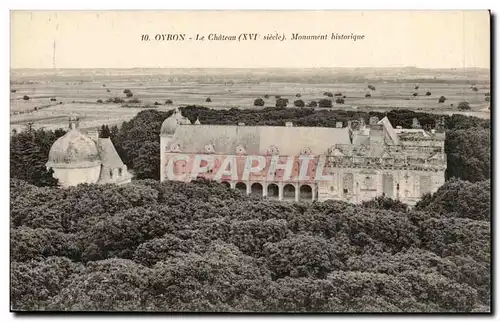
442, 99
129, 94
417, 87
312, 104
258, 102
368, 95
208, 100
474, 89
329, 94
338, 94
135, 100
116, 100
26, 97
108, 90
371, 87
266, 96
339, 101
487, 94
487, 99
281, 102
463, 106
53, 99
99, 101
415, 94
298, 95
299, 103
156, 103
12, 90
125, 91
168, 102
428, 94
325, 103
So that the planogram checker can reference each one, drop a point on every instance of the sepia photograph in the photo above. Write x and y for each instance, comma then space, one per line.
313, 161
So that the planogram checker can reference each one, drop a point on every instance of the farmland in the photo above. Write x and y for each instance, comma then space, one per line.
76, 91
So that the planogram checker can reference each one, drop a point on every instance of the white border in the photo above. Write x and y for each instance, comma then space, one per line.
7, 5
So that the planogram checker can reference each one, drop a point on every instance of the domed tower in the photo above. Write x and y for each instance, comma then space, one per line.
167, 132
74, 157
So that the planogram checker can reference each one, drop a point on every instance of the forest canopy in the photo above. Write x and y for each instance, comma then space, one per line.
200, 246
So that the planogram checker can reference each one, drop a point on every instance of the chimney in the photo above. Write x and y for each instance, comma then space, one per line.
93, 134
339, 125
373, 120
288, 124
74, 123
241, 124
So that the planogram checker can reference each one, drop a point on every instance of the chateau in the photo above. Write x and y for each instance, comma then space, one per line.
78, 157
353, 162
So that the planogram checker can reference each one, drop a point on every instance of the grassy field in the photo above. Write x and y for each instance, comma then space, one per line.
76, 93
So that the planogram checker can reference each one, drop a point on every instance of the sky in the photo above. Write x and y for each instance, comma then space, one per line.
112, 39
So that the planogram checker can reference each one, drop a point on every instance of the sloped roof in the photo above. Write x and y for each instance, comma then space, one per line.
258, 139
390, 130
107, 153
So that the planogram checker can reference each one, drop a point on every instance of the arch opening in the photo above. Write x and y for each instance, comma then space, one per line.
256, 189
306, 193
241, 186
289, 192
273, 191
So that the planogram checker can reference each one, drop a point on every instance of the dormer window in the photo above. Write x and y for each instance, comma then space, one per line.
240, 150
273, 150
305, 151
209, 148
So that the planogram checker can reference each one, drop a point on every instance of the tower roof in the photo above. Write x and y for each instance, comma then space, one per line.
73, 149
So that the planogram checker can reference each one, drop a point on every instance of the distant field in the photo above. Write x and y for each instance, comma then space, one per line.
79, 97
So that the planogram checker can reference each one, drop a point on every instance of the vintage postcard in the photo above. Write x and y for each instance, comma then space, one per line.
253, 161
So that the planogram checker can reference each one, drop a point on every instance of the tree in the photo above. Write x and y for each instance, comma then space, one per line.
428, 93
415, 94
129, 94
26, 97
442, 99
312, 104
298, 95
368, 95
147, 162
126, 91
168, 102
99, 101
371, 87
259, 102
463, 106
28, 156
299, 103
339, 101
329, 94
460, 199
281, 102
325, 103
105, 133
208, 100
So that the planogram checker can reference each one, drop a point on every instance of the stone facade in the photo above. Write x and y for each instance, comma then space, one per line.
361, 161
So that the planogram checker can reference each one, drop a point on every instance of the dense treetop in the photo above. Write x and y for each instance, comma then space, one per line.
200, 246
